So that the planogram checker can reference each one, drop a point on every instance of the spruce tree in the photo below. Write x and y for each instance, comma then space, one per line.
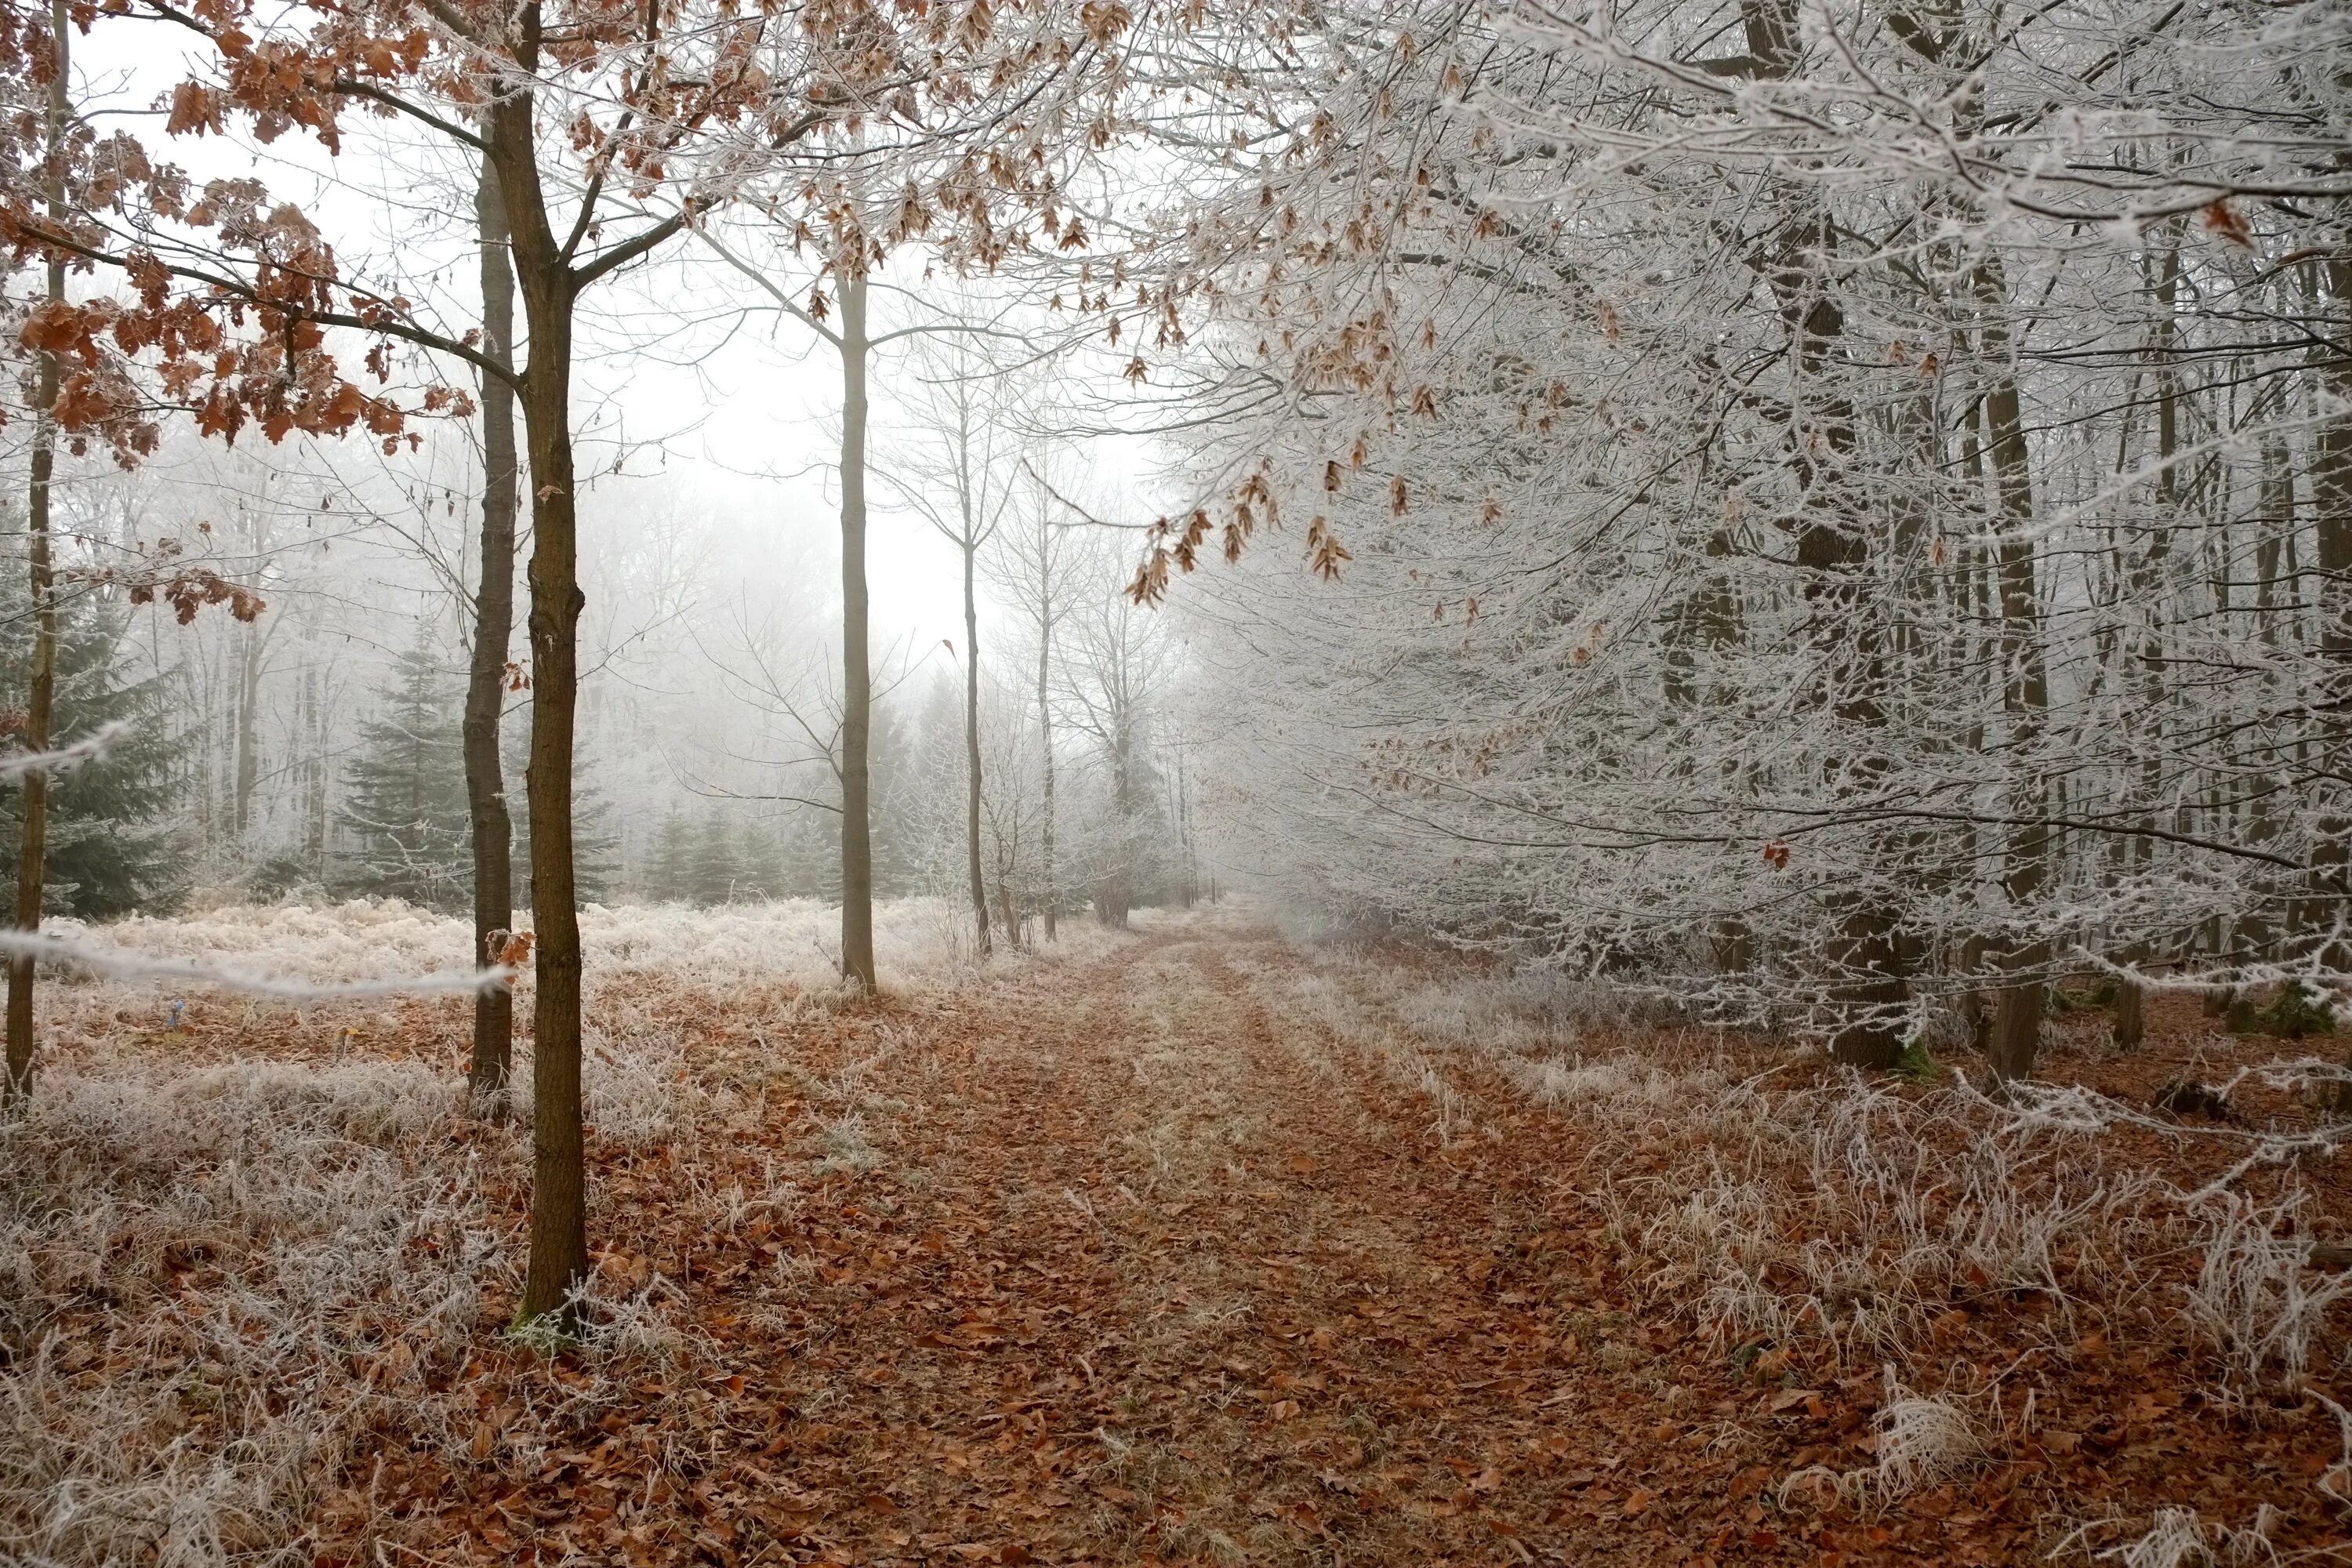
714, 868
758, 862
666, 878
404, 791
596, 842
895, 792
109, 841
809, 865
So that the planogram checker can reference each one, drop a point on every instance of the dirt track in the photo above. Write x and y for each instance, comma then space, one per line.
1138, 1262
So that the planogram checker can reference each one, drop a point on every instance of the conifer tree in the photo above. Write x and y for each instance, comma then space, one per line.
596, 842
665, 880
109, 850
405, 802
759, 861
713, 870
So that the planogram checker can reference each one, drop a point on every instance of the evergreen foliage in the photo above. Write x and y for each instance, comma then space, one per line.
665, 882
595, 841
405, 792
711, 877
110, 848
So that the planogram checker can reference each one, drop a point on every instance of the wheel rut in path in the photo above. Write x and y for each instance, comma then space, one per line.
1143, 1263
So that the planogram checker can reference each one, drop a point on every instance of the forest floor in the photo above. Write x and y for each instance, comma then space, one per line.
1206, 1248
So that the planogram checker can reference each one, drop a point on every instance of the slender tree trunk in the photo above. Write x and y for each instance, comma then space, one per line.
1053, 892
559, 1224
32, 854
1115, 894
1865, 950
1184, 827
2017, 1026
486, 787
971, 743
249, 729
856, 670
2331, 495
314, 782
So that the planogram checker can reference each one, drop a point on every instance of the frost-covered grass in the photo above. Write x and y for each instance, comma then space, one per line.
1919, 1441
918, 942
1927, 1232
214, 1280
223, 1273
223, 1286
1791, 1204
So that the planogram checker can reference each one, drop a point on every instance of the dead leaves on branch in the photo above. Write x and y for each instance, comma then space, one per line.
227, 323
187, 588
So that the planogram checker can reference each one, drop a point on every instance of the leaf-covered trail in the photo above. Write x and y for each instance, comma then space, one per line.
1183, 1254
1138, 1263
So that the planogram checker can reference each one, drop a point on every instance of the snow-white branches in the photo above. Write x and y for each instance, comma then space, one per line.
1832, 515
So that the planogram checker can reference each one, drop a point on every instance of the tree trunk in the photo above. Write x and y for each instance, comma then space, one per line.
2131, 1014
248, 728
32, 854
314, 779
1115, 893
1865, 952
856, 670
2331, 495
559, 1224
1053, 889
1184, 829
2017, 1027
486, 788
971, 743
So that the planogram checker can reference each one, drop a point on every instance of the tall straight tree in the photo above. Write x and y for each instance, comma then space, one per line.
40, 699
1037, 565
486, 685
959, 473
618, 98
854, 344
856, 649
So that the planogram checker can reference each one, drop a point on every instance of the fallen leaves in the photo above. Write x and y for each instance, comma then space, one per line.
1112, 1294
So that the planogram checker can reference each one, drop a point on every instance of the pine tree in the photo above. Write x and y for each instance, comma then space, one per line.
809, 859
895, 792
596, 842
759, 861
666, 878
109, 844
713, 870
405, 800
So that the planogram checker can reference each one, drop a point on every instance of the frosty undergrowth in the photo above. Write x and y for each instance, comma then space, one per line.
216, 1281
918, 942
1780, 1209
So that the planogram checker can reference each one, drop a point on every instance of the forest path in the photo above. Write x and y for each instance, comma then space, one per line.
1138, 1260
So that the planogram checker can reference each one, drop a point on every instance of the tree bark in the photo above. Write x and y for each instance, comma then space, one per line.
249, 729
2331, 495
972, 739
1115, 891
1052, 890
486, 789
32, 853
2131, 1014
857, 669
1834, 550
559, 1225
314, 778
2025, 697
